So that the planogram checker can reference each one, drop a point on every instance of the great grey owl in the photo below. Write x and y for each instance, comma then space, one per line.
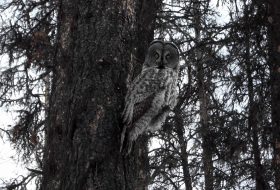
152, 94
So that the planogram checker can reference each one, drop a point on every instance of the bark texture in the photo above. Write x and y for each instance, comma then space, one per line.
95, 53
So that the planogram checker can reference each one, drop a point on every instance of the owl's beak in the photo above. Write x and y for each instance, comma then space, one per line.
161, 65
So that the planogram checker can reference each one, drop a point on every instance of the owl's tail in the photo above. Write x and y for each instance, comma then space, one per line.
123, 137
126, 143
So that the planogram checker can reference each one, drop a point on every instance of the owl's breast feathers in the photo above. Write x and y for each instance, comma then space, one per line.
145, 89
171, 94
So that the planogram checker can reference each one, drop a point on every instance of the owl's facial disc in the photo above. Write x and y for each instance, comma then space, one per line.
166, 57
170, 56
160, 61
162, 55
157, 55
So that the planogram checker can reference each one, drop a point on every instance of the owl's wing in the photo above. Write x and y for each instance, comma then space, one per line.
140, 108
172, 101
138, 101
140, 95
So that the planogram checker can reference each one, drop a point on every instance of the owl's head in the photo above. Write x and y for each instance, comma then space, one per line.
162, 55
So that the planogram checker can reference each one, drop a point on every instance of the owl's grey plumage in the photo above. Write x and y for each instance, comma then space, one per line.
152, 94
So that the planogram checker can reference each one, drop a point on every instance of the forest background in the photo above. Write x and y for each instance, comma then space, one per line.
65, 66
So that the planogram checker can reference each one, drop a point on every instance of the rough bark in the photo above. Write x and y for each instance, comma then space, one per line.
95, 53
274, 31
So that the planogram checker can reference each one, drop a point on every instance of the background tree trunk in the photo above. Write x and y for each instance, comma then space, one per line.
180, 130
94, 55
203, 97
274, 23
253, 109
205, 131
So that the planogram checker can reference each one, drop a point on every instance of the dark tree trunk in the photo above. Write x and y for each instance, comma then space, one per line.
203, 97
179, 123
253, 111
205, 131
274, 31
95, 53
253, 126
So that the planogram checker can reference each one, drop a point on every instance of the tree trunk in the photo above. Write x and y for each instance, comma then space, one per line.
203, 104
253, 125
274, 31
179, 123
206, 139
94, 56
253, 111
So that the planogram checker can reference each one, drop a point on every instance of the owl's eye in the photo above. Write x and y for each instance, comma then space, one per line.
156, 55
167, 56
